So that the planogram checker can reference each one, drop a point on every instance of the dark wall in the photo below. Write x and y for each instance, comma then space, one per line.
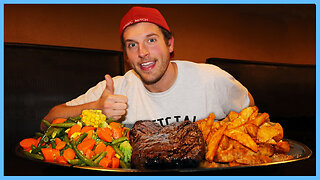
272, 33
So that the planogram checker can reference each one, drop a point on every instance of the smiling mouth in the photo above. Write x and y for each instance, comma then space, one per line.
147, 66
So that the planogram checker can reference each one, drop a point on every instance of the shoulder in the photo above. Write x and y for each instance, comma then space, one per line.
129, 80
202, 69
130, 75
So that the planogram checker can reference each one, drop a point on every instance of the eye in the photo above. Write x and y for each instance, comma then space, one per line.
131, 45
152, 40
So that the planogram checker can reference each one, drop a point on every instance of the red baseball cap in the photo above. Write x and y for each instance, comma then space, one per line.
142, 14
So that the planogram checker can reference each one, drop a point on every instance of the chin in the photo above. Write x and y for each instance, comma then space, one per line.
150, 81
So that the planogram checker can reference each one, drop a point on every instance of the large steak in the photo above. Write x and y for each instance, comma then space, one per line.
177, 145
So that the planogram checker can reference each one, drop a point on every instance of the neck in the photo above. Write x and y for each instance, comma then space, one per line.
166, 81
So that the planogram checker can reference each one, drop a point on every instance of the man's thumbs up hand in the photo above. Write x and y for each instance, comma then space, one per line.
109, 84
113, 106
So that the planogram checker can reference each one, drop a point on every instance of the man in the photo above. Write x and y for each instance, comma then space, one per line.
158, 89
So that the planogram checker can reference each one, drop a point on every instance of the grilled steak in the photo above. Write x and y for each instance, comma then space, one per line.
178, 145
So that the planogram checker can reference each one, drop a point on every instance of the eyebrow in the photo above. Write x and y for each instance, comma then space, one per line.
149, 35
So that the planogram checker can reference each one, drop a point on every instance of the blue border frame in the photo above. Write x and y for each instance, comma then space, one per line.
143, 2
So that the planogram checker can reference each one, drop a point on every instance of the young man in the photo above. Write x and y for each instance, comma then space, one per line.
157, 88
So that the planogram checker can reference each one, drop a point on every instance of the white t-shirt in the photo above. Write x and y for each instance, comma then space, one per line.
200, 89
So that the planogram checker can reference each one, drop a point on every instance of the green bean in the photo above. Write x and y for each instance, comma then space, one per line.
82, 164
45, 137
98, 159
45, 122
66, 139
75, 161
80, 155
56, 132
96, 156
64, 125
118, 151
119, 140
53, 143
106, 143
38, 134
35, 150
110, 120
81, 137
123, 164
74, 119
33, 156
126, 130
33, 147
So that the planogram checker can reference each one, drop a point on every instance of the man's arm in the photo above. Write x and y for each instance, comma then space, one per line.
64, 111
251, 103
112, 105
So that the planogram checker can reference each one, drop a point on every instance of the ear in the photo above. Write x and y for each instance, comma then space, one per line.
171, 44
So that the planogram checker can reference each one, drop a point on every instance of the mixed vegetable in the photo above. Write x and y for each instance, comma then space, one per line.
90, 139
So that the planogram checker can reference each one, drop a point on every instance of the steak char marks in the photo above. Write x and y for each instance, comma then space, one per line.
177, 145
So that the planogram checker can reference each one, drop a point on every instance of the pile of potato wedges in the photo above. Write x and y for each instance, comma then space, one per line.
244, 138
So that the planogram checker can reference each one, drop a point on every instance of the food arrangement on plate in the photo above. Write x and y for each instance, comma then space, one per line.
245, 138
88, 140
91, 140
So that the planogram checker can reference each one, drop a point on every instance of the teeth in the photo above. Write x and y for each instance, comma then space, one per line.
147, 64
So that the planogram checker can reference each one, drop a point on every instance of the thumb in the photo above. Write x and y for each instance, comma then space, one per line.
109, 84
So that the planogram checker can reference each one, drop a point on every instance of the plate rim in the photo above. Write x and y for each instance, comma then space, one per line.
307, 154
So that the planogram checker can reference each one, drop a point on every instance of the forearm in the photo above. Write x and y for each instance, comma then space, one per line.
64, 111
251, 103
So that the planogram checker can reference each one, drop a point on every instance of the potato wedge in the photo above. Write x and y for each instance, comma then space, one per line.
210, 135
232, 115
242, 138
239, 121
252, 129
260, 119
247, 112
266, 149
224, 144
282, 147
269, 131
213, 143
207, 126
254, 159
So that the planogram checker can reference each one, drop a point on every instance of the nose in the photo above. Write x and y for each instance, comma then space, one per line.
143, 51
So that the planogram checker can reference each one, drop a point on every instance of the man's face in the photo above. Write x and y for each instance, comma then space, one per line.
146, 51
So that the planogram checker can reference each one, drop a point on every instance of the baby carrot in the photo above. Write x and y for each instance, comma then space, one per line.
89, 154
116, 132
26, 143
115, 162
104, 135
73, 129
89, 136
86, 129
59, 120
110, 152
61, 145
100, 148
85, 145
105, 162
69, 154
62, 160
